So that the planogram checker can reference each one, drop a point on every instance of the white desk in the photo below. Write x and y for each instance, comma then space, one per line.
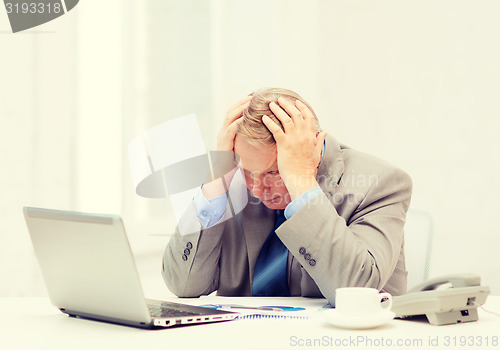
33, 323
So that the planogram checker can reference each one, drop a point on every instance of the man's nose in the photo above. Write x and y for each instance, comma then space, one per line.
259, 188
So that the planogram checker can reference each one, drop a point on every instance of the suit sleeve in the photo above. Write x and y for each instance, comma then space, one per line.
195, 271
362, 251
191, 258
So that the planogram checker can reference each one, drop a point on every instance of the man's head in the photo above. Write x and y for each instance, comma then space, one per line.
252, 127
256, 147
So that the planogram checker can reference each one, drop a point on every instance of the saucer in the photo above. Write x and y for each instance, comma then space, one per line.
358, 322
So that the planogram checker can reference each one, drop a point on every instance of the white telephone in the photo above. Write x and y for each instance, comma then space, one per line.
444, 300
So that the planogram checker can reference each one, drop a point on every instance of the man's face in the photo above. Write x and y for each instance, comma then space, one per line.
262, 177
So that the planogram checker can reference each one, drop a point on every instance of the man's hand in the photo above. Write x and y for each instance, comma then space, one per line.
225, 138
299, 146
225, 142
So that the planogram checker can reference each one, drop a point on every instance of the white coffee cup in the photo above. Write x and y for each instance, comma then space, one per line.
361, 301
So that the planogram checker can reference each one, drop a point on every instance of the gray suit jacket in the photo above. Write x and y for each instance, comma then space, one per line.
350, 235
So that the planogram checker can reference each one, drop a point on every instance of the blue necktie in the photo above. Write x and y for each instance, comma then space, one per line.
270, 276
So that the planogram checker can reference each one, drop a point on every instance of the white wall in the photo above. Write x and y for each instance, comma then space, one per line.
61, 123
37, 105
411, 82
421, 78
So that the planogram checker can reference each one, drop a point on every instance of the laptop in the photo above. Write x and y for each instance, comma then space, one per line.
89, 271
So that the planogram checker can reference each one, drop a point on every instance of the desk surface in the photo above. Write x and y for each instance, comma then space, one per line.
33, 323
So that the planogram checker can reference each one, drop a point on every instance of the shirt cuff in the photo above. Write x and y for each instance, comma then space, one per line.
297, 204
209, 211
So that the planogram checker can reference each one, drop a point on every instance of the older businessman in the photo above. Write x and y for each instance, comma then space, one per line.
320, 215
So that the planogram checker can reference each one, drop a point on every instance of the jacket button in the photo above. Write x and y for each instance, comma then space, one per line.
189, 245
184, 257
312, 262
187, 251
307, 256
302, 250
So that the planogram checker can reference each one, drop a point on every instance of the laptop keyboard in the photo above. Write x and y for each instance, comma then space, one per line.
166, 311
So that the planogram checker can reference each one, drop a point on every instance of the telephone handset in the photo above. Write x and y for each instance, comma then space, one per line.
448, 281
444, 300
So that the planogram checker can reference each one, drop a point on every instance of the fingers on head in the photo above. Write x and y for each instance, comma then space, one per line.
289, 106
281, 112
274, 128
235, 125
307, 114
236, 110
